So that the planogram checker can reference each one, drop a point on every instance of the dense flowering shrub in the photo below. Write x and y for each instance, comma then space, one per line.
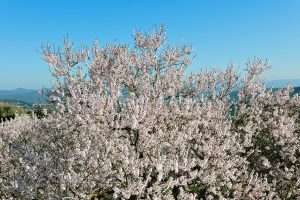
127, 123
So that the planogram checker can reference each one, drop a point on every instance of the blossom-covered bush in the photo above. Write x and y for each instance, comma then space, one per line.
129, 123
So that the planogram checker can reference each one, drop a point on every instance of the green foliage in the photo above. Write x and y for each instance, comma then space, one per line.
41, 110
10, 111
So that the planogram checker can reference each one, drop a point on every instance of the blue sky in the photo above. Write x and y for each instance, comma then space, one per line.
219, 31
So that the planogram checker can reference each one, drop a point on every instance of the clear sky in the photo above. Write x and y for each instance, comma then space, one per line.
219, 31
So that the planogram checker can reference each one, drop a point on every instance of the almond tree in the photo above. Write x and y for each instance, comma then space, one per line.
128, 123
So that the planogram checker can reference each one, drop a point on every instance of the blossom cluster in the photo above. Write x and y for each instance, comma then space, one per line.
130, 123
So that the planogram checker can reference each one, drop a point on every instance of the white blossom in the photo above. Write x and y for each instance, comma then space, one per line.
135, 126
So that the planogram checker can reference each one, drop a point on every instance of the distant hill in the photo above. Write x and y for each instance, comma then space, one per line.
28, 96
31, 96
283, 83
234, 94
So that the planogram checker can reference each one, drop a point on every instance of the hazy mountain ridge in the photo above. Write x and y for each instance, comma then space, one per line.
283, 83
31, 96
